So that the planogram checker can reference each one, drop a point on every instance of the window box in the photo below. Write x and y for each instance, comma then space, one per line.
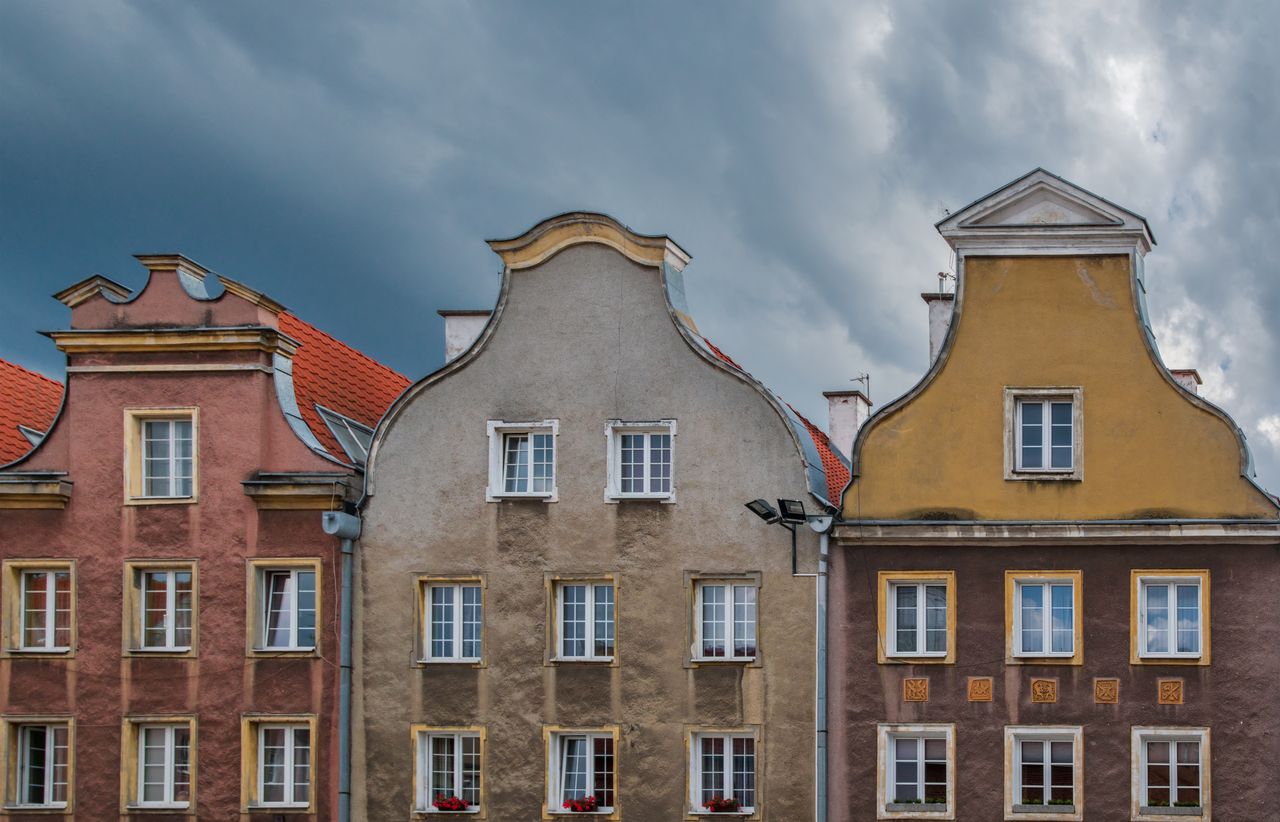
916, 617
522, 460
1044, 433
641, 460
1043, 619
1169, 617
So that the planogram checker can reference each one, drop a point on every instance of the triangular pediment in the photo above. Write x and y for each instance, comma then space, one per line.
1041, 204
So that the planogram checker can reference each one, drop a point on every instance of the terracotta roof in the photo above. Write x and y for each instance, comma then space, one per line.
333, 374
833, 465
28, 399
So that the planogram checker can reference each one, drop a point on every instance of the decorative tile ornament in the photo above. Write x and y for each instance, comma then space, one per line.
1170, 691
1044, 690
915, 689
1106, 691
980, 688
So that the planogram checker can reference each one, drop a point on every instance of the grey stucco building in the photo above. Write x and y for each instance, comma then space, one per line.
563, 602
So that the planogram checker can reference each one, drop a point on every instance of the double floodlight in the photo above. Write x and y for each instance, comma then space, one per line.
789, 511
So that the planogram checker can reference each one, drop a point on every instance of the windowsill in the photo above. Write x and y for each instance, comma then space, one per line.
705, 812
917, 807
929, 657
723, 660
492, 497
1157, 659
282, 653
159, 652
40, 652
304, 807
1063, 809
596, 812
1070, 659
1172, 810
161, 501
438, 812
60, 807
1021, 475
582, 660
670, 498
471, 662
135, 807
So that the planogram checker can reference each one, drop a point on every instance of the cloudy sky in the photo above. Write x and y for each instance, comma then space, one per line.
350, 159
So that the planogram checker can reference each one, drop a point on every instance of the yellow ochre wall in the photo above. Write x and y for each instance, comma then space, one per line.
1149, 450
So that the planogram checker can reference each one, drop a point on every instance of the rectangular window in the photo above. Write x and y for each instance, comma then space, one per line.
916, 771
289, 609
919, 619
723, 778
168, 461
1171, 619
1043, 437
41, 763
640, 460
726, 620
164, 607
1044, 620
453, 621
582, 771
46, 610
164, 765
1172, 771
522, 460
1044, 768
584, 620
449, 769
284, 765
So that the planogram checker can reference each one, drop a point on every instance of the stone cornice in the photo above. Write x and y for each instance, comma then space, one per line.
300, 492
1117, 532
44, 489
148, 340
551, 236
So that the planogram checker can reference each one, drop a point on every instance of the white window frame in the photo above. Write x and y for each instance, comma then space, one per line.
1014, 736
891, 608
346, 430
173, 460
50, 609
290, 772
1170, 581
730, 637
426, 791
886, 735
265, 573
696, 774
1047, 628
22, 729
555, 768
613, 439
170, 757
498, 430
170, 609
425, 608
1013, 400
1140, 736
590, 631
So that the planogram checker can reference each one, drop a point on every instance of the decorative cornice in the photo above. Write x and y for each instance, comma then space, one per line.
173, 262
250, 295
149, 340
34, 490
549, 237
938, 534
299, 492
91, 287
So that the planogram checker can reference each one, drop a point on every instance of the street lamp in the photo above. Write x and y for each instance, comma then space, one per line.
789, 514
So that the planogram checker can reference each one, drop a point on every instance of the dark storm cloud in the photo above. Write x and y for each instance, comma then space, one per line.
350, 159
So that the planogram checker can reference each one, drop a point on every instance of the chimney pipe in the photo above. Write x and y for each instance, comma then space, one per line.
847, 410
940, 307
461, 328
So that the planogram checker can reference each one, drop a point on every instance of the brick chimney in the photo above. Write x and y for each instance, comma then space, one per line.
1188, 378
940, 306
461, 328
847, 411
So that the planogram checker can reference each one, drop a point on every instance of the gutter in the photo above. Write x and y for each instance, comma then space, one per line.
820, 712
347, 528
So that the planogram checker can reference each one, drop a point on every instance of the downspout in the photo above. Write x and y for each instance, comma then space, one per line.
820, 714
347, 528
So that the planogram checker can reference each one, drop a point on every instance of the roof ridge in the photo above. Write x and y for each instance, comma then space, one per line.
372, 361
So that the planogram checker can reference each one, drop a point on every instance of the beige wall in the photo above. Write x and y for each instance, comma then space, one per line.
1149, 450
584, 337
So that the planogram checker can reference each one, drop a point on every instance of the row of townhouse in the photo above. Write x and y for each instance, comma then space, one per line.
545, 582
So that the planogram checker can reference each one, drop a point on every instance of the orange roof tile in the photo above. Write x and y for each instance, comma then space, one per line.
330, 372
28, 399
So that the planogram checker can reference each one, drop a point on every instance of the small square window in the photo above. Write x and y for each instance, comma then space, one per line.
41, 613
584, 620
161, 750
39, 753
1043, 436
449, 765
725, 620
285, 597
280, 765
722, 775
917, 616
917, 772
1045, 773
1170, 774
1171, 617
1044, 620
160, 455
581, 771
451, 613
161, 606
522, 460
640, 460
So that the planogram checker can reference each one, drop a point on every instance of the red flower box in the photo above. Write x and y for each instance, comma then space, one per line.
450, 803
723, 804
583, 804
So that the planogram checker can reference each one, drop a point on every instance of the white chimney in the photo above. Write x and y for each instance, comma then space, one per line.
461, 328
1188, 378
847, 411
940, 306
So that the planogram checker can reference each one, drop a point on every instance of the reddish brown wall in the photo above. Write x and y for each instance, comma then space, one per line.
1233, 696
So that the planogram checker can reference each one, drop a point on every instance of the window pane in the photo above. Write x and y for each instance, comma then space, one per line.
712, 768
744, 771
516, 464
471, 770
660, 463
279, 615
573, 768
905, 616
35, 757
1063, 626
442, 771
1032, 614
183, 603
935, 770
744, 620
273, 765
603, 620
1157, 618
301, 765
543, 464
574, 620
62, 609
306, 605
602, 770
181, 764
35, 609
154, 744
713, 620
472, 619
1032, 773
935, 600
1188, 619
906, 769
155, 609
632, 463
442, 621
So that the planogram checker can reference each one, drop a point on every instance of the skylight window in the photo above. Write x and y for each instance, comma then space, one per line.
354, 438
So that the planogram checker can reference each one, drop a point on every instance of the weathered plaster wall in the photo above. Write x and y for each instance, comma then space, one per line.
1149, 451
1229, 696
585, 337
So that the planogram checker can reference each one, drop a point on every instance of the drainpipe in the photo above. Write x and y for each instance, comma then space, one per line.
820, 717
347, 528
